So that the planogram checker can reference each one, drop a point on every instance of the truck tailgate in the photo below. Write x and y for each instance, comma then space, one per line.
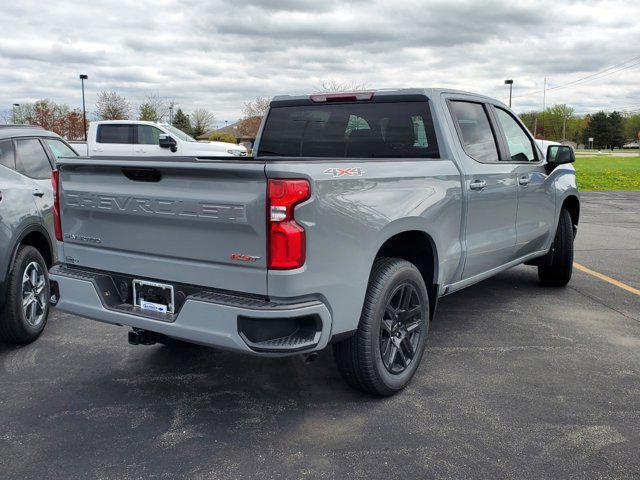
188, 221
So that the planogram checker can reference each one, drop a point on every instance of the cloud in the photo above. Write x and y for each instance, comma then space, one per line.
220, 53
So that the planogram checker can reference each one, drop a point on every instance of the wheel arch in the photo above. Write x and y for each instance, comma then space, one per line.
572, 205
37, 237
419, 248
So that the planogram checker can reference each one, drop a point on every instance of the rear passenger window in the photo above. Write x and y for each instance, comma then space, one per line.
148, 135
116, 133
59, 148
520, 145
32, 160
475, 131
7, 157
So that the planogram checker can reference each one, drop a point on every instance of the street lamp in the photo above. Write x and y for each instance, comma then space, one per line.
83, 77
510, 83
15, 105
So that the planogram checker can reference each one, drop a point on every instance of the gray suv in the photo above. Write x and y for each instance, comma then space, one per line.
27, 237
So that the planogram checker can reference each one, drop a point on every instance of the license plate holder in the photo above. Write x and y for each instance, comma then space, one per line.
153, 296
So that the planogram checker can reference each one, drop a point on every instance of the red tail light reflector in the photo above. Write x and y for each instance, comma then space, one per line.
286, 240
57, 225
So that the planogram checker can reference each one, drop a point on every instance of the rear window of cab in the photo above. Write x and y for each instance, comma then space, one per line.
350, 130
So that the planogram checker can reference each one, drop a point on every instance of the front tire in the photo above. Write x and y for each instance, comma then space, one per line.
556, 272
384, 354
27, 304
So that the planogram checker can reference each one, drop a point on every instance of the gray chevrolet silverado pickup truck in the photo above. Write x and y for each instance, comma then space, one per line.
355, 214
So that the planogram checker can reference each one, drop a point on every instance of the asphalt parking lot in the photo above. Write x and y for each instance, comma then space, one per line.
519, 381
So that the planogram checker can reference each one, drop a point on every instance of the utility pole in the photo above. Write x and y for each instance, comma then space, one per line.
83, 77
564, 128
510, 83
535, 126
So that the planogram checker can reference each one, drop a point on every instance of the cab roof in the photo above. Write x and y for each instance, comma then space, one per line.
428, 92
13, 131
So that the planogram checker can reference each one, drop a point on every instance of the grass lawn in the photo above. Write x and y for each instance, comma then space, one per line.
608, 173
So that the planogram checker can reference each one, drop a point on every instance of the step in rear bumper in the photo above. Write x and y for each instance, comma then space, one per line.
206, 318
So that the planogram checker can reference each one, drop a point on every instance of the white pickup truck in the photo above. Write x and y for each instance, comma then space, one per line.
136, 138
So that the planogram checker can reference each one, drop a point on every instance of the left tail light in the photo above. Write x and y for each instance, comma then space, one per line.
57, 225
287, 239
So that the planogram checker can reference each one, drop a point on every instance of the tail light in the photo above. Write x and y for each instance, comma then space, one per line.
56, 205
287, 241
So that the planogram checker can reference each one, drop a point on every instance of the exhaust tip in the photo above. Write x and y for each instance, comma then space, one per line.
310, 357
142, 337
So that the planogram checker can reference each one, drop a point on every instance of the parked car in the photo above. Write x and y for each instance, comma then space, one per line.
357, 212
631, 145
27, 239
129, 138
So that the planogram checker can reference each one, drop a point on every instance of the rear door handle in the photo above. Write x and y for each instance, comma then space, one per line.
37, 192
477, 185
524, 180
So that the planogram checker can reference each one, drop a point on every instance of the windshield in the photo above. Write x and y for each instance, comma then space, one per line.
356, 130
179, 133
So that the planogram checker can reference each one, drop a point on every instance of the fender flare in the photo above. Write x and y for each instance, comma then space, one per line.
33, 227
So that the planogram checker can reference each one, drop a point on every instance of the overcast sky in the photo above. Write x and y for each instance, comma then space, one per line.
216, 54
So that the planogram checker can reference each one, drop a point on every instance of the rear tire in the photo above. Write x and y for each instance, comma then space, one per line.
27, 304
384, 354
556, 272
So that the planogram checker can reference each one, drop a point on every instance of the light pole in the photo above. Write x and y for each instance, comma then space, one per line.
170, 114
83, 77
510, 83
15, 105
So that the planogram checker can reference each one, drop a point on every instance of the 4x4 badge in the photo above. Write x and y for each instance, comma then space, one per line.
342, 172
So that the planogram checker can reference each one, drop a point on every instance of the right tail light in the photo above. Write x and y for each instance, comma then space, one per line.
286, 239
57, 225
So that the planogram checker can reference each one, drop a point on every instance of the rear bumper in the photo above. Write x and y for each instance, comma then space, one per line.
211, 318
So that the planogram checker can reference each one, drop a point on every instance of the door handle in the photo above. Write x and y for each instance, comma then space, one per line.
37, 192
524, 180
477, 185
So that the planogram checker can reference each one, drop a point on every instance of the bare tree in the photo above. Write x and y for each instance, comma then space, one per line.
201, 121
255, 108
112, 106
333, 85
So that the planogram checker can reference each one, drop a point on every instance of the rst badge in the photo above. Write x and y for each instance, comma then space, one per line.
244, 258
344, 172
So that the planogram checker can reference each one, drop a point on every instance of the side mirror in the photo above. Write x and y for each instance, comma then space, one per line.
167, 141
559, 154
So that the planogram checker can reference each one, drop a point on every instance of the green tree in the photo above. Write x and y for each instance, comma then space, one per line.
555, 121
597, 129
631, 126
223, 137
181, 122
147, 113
615, 129
529, 119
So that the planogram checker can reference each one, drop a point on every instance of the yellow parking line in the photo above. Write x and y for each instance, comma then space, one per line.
610, 280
